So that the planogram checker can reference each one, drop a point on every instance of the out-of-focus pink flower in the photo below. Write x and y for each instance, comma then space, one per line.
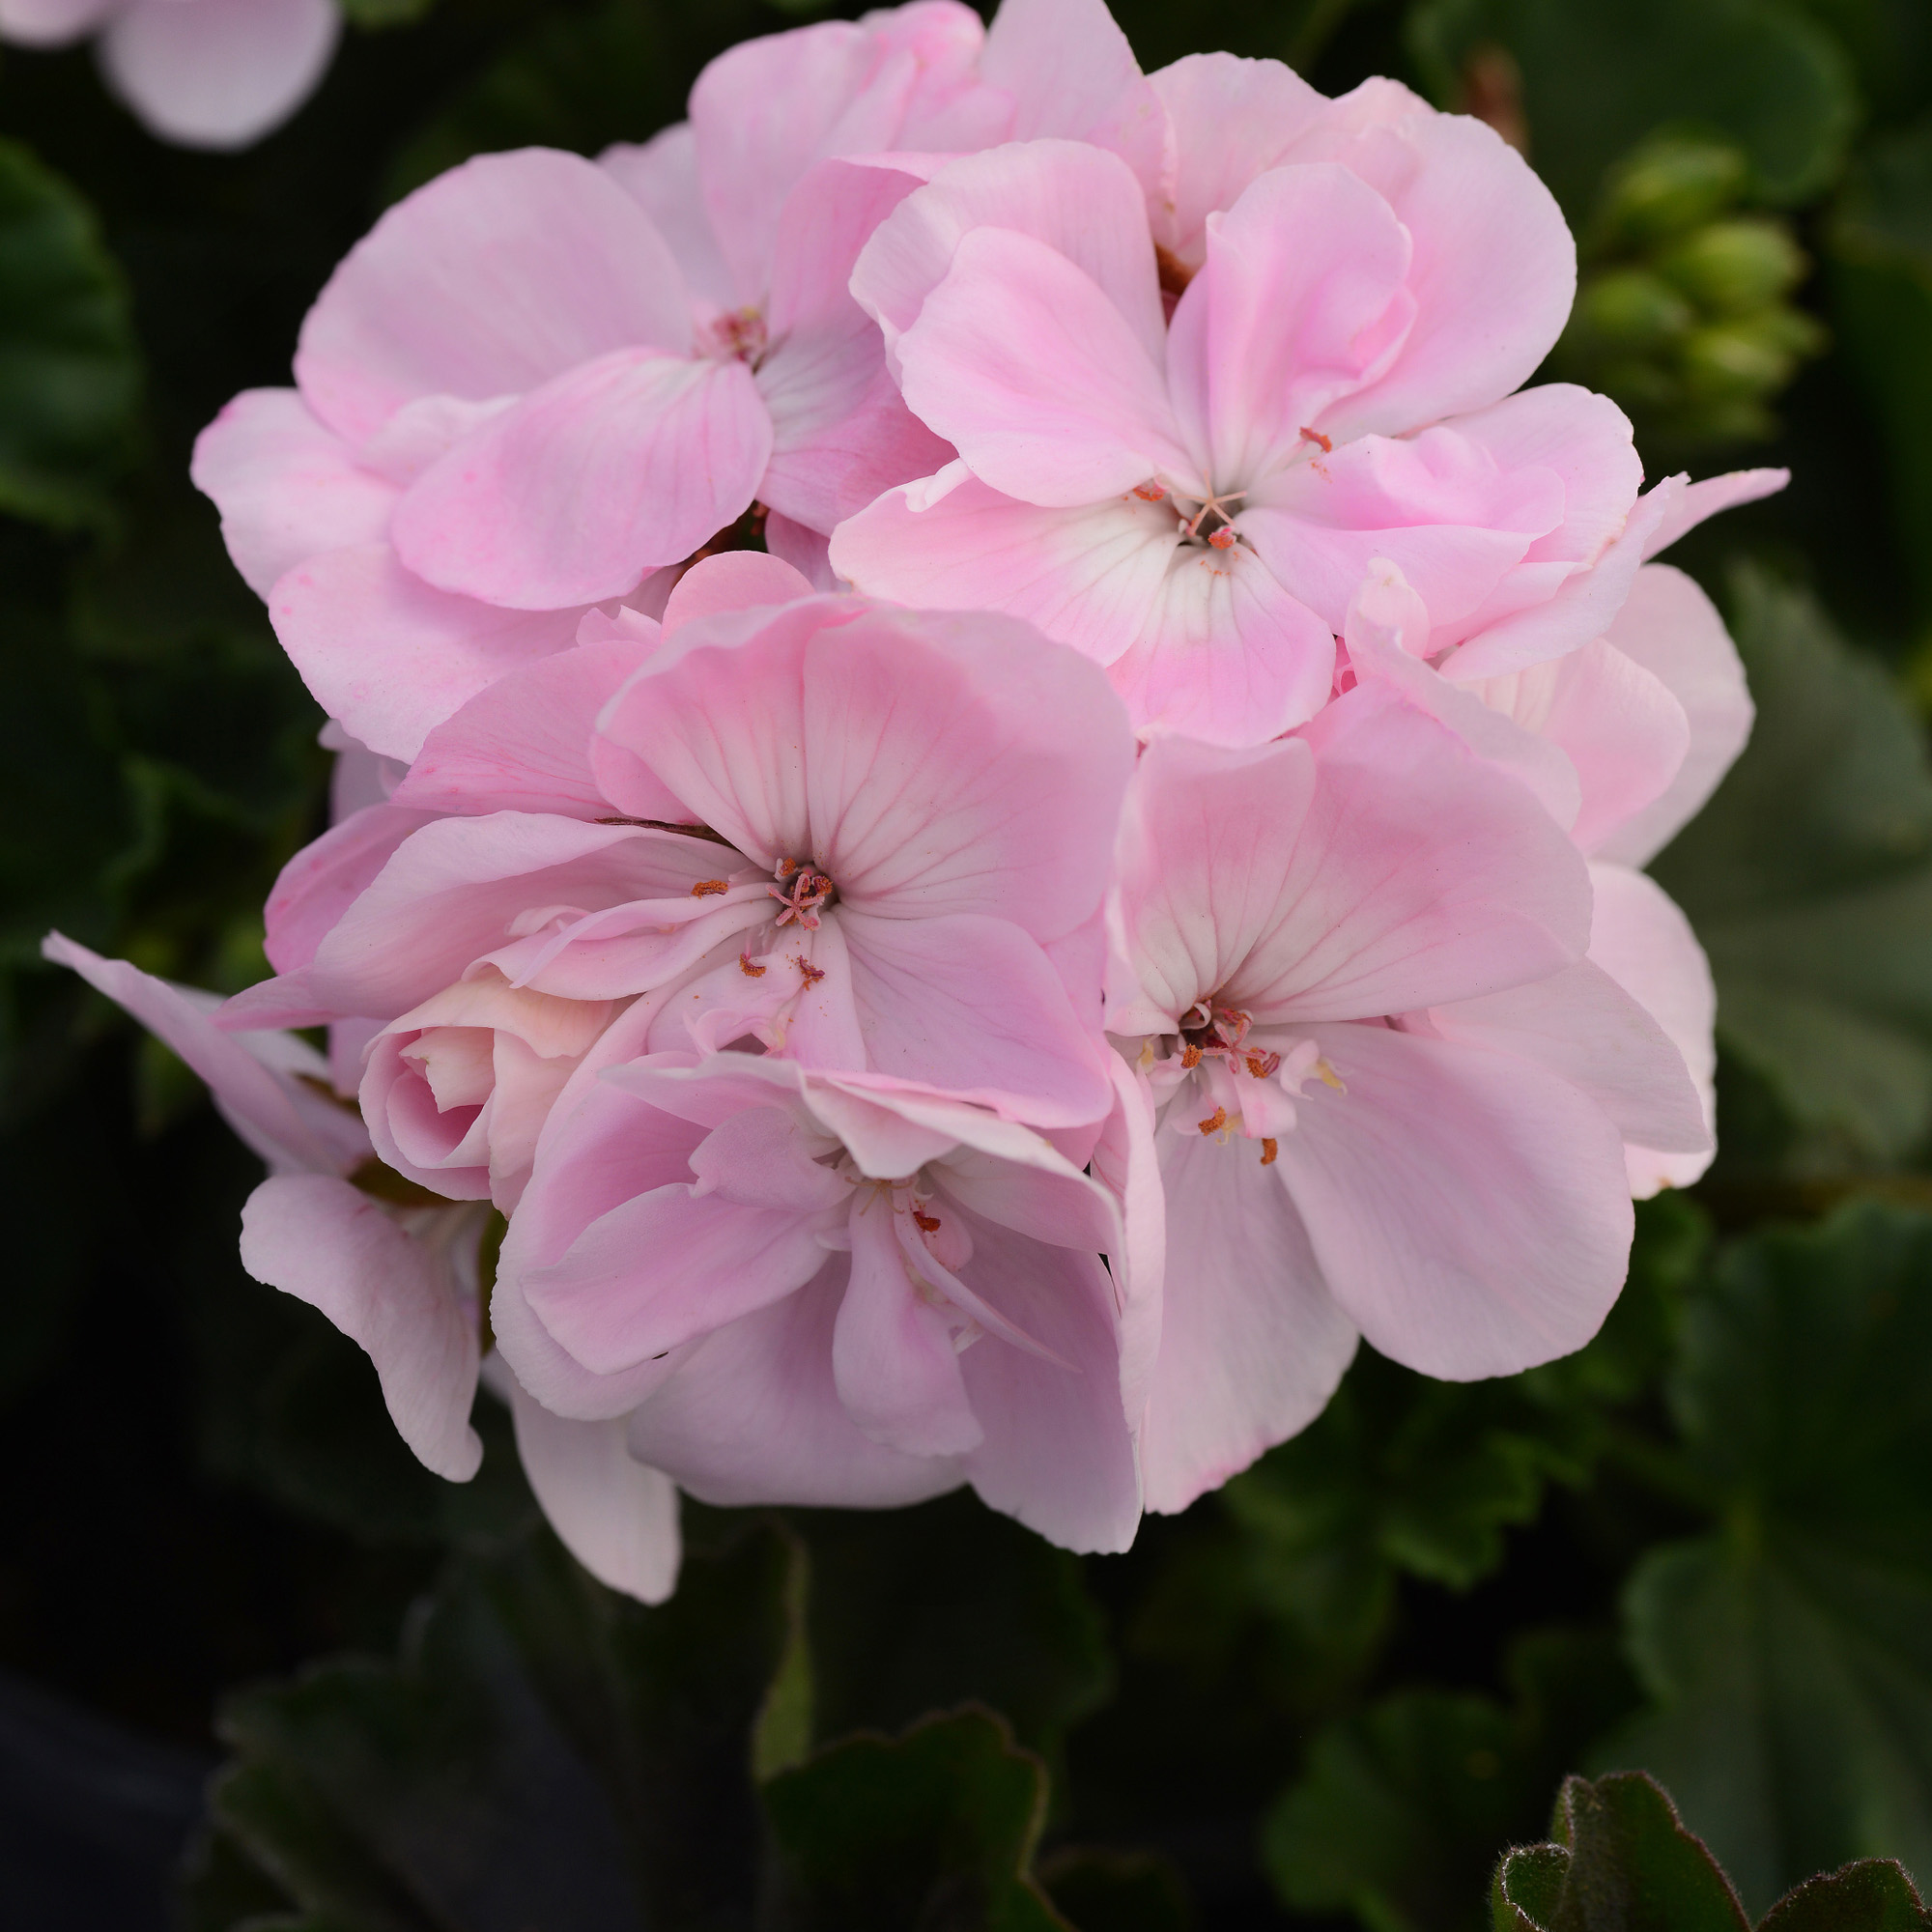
538, 380
1391, 1093
202, 73
401, 1282
818, 1287
1185, 426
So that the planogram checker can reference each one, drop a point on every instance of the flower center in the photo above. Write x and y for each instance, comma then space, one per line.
802, 891
738, 336
1209, 521
1218, 1032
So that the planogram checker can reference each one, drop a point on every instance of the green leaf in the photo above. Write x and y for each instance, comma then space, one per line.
1809, 878
1403, 1808
1633, 1865
935, 1828
922, 1610
1102, 1890
1880, 243
70, 372
373, 15
543, 1755
1871, 1895
1788, 1654
1597, 76
1405, 1475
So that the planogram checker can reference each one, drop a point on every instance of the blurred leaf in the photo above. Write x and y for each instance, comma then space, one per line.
936, 1828
375, 15
1598, 75
544, 1755
1880, 240
1401, 1473
1809, 878
1115, 1891
1788, 1654
922, 1610
1872, 1895
1403, 1808
70, 372
1890, 46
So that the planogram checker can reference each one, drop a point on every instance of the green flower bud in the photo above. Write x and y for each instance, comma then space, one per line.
1668, 187
1629, 311
1745, 360
1734, 268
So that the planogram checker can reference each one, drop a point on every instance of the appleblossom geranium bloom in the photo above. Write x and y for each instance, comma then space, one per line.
1623, 742
1388, 1094
815, 825
539, 381
399, 1278
202, 73
817, 1287
1186, 423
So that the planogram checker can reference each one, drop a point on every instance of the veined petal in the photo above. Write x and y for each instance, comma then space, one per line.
623, 463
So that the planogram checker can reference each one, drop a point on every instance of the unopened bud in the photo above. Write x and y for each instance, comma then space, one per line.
1629, 311
1735, 268
1669, 187
1747, 360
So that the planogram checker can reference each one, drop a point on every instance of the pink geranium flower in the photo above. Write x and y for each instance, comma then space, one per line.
1386, 1093
870, 840
203, 73
807, 1287
1184, 428
539, 379
401, 1282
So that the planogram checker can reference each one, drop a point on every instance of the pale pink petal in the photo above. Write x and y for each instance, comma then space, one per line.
1621, 730
447, 1152
325, 878
1252, 1344
661, 176
219, 73
287, 487
1387, 636
1126, 1162
623, 463
1020, 360
1069, 71
1440, 508
51, 23
1673, 631
1583, 605
1493, 270
1302, 301
1468, 1211
391, 657
1233, 120
753, 1416
666, 1267
1078, 200
616, 1516
1059, 1449
1086, 577
806, 549
360, 777
450, 895
1697, 501
325, 1243
1226, 654
524, 743
495, 277
1641, 938
1582, 1024
734, 580
255, 1080
892, 1359
764, 112
971, 1005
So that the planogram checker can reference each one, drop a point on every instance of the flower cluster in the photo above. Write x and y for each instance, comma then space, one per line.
993, 775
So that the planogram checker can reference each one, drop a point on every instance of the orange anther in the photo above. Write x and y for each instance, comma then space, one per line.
1214, 1122
750, 967
1268, 1152
1327, 442
1223, 538
1190, 1056
927, 1224
810, 974
706, 889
